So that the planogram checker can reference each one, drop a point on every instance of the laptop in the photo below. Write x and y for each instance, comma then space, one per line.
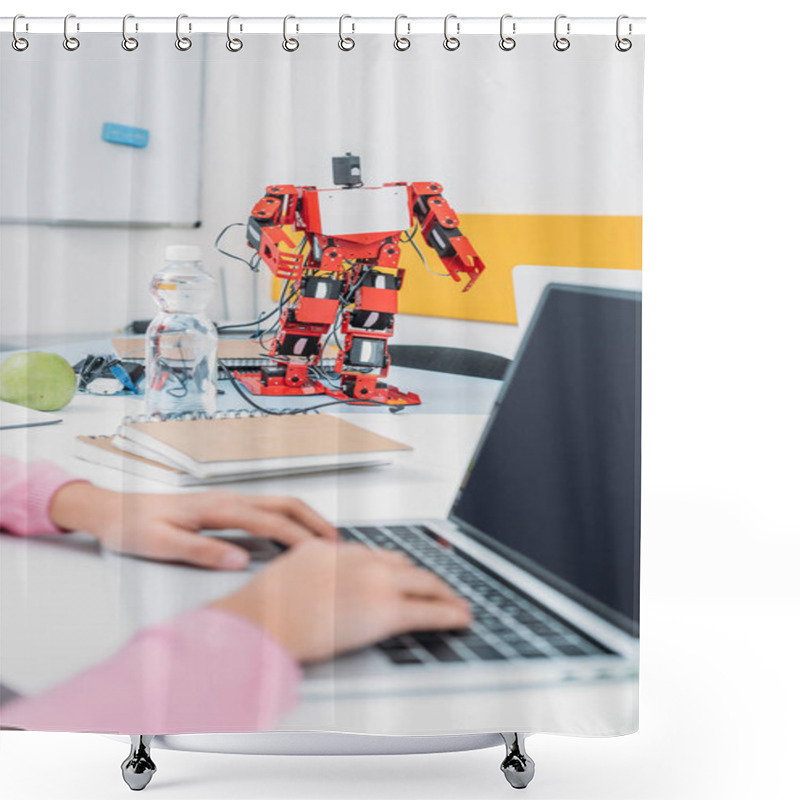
543, 534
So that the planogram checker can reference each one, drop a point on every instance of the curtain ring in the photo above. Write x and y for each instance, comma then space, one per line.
623, 44
561, 43
451, 42
507, 42
182, 42
70, 42
233, 44
18, 42
290, 44
346, 42
401, 42
129, 43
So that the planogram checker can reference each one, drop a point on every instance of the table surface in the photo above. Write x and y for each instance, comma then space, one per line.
441, 393
66, 604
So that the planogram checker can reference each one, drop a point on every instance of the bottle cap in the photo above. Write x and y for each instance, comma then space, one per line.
184, 252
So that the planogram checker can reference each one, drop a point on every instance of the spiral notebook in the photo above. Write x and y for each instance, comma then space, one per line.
229, 446
101, 450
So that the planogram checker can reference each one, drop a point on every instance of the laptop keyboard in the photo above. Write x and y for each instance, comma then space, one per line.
507, 623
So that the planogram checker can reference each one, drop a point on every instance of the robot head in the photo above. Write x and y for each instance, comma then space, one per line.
347, 170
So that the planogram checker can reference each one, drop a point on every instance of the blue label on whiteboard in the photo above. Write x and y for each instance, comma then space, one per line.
125, 134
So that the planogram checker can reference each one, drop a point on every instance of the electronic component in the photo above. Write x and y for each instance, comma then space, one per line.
107, 375
346, 170
343, 276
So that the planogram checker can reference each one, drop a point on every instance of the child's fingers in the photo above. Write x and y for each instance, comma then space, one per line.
391, 556
432, 615
273, 526
301, 512
175, 544
283, 518
255, 520
422, 583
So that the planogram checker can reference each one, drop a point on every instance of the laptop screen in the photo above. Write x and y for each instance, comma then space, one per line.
554, 484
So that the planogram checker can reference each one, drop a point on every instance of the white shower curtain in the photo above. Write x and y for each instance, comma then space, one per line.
434, 253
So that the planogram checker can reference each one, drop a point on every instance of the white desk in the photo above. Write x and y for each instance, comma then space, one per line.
65, 605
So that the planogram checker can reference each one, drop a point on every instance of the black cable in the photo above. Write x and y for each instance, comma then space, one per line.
283, 411
262, 318
344, 301
232, 378
282, 301
410, 240
321, 375
225, 252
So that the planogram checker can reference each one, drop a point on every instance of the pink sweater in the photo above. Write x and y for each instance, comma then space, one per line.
205, 671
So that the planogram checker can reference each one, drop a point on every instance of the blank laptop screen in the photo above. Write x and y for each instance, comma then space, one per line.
554, 484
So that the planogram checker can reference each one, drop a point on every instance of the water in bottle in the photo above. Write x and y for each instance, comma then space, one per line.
181, 342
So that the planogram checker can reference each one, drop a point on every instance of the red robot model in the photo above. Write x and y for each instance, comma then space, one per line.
347, 282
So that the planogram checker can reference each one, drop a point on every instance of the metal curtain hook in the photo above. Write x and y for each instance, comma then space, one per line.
129, 43
507, 42
290, 44
401, 42
561, 43
233, 44
70, 42
451, 42
346, 42
18, 42
182, 42
623, 44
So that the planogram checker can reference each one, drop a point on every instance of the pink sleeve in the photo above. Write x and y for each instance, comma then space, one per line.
26, 490
206, 671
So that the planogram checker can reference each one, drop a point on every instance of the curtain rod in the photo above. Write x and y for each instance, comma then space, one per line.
461, 26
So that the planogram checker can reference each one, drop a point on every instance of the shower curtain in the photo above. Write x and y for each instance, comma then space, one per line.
426, 264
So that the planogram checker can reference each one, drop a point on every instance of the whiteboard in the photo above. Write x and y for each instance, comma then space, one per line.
54, 104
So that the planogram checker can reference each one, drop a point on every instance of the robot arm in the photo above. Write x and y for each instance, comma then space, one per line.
439, 224
265, 231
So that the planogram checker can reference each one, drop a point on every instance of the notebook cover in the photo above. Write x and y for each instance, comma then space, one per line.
105, 443
259, 438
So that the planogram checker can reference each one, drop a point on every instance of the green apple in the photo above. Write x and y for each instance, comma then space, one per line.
44, 381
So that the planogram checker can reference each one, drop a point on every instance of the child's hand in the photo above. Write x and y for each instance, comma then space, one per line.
320, 599
165, 526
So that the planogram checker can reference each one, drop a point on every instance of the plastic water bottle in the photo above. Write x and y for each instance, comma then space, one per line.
181, 342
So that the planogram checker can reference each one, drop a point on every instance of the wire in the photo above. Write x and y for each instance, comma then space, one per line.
289, 411
410, 240
322, 376
344, 301
262, 318
232, 378
249, 262
252, 264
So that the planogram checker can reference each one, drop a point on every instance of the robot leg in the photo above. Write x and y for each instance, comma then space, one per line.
367, 329
297, 347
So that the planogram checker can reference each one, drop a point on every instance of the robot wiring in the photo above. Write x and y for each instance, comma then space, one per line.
253, 264
341, 280
410, 240
307, 410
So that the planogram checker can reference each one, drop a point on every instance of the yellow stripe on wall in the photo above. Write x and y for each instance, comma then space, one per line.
505, 240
